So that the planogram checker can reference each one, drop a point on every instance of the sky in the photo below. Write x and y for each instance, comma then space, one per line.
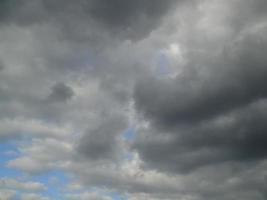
133, 100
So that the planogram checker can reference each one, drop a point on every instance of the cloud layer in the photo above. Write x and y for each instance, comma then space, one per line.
144, 99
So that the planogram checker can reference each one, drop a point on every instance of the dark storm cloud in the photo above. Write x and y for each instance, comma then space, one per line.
206, 134
6, 7
123, 13
236, 79
210, 114
237, 137
131, 19
22, 13
136, 18
60, 92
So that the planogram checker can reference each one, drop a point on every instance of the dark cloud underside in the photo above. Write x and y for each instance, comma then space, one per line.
124, 18
150, 99
212, 114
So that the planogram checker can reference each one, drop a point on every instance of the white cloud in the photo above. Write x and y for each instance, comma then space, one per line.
87, 196
7, 194
33, 196
12, 128
13, 184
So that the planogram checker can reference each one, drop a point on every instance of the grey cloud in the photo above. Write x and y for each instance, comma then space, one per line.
124, 182
137, 18
212, 113
246, 14
23, 186
131, 19
102, 142
234, 80
6, 7
2, 66
61, 92
8, 194
87, 196
21, 13
33, 196
227, 181
237, 137
120, 12
207, 126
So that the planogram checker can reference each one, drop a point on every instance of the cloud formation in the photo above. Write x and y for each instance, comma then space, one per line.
144, 99
211, 115
28, 186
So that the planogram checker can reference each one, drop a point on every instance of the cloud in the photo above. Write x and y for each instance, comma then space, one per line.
120, 18
234, 80
237, 137
87, 196
60, 92
43, 155
26, 164
102, 142
210, 114
2, 66
33, 196
16, 128
29, 186
137, 18
7, 194
188, 77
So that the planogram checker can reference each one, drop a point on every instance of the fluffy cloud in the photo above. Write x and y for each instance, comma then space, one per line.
16, 128
24, 186
87, 196
32, 196
7, 194
186, 77
213, 116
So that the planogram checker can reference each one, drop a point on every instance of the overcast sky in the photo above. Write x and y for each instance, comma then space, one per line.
133, 100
